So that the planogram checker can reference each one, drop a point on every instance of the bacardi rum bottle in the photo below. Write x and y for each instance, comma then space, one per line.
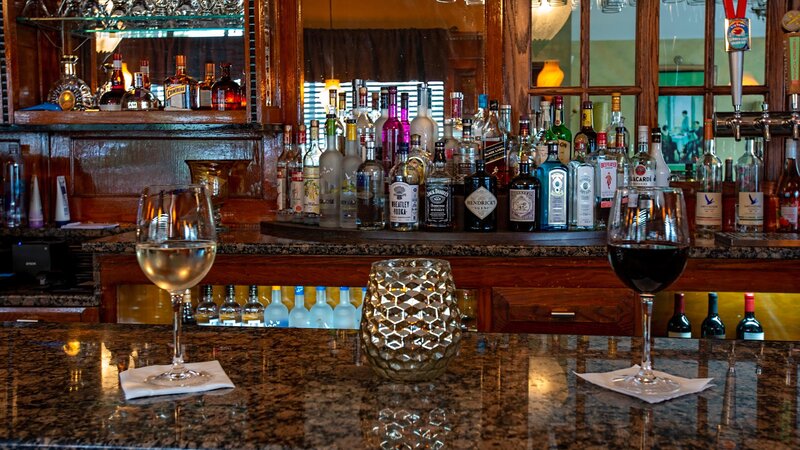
644, 165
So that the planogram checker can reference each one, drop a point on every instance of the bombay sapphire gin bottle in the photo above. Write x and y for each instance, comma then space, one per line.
552, 175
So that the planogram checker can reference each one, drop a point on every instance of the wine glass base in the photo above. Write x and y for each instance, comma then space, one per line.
637, 384
185, 377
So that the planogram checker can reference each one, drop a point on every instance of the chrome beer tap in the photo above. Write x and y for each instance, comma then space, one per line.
794, 119
763, 122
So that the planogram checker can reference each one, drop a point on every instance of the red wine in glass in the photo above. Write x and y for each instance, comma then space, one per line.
645, 267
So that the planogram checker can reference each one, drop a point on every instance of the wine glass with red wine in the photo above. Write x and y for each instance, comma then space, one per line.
648, 245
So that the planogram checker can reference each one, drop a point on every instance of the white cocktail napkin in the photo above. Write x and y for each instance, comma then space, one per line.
134, 384
688, 385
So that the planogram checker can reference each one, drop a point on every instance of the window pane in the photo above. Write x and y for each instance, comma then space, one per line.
681, 120
681, 44
753, 59
727, 147
555, 39
612, 55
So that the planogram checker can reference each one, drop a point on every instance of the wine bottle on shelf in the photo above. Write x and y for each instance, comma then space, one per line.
586, 138
708, 209
789, 191
230, 312
521, 147
207, 312
728, 198
379, 122
311, 172
480, 200
544, 135
344, 315
365, 126
299, 316
111, 100
391, 132
553, 207
276, 314
405, 125
712, 326
282, 183
404, 184
253, 310
561, 133
749, 328
524, 192
750, 195
679, 326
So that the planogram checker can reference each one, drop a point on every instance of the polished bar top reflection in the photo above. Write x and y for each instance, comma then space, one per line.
313, 389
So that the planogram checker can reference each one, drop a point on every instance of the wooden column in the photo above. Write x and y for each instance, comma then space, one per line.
774, 80
493, 49
516, 56
647, 62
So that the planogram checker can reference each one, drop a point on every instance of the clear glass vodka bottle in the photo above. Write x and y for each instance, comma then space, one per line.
330, 170
370, 193
276, 314
468, 153
708, 209
749, 177
350, 163
422, 125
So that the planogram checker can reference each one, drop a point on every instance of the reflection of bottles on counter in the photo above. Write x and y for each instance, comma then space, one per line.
749, 327
207, 312
679, 326
727, 437
276, 314
321, 312
187, 313
344, 313
253, 310
299, 316
230, 312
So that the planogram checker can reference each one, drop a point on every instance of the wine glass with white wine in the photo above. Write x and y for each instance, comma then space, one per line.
176, 242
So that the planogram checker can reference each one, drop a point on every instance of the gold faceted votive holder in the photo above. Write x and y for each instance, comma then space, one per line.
411, 326
214, 174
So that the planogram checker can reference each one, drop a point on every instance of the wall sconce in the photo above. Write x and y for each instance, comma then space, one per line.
551, 74
331, 84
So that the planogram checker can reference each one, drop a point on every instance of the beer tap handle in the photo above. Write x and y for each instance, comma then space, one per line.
765, 121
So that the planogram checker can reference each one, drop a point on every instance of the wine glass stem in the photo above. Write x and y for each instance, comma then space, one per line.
646, 369
177, 316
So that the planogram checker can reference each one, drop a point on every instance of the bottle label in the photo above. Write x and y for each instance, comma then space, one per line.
557, 197
608, 182
643, 177
296, 192
466, 169
111, 107
788, 218
208, 322
675, 334
328, 192
176, 96
205, 98
709, 209
753, 336
481, 202
564, 151
231, 323
438, 204
281, 180
541, 154
403, 202
751, 208
276, 323
254, 323
584, 203
311, 190
522, 205
494, 153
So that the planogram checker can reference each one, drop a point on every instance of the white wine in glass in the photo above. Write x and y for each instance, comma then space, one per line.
176, 243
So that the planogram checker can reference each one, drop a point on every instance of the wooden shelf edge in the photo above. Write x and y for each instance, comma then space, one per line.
129, 117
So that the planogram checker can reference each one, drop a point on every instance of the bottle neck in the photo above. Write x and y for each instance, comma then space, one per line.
370, 153
712, 307
616, 116
404, 110
456, 108
524, 168
393, 105
422, 96
299, 301
559, 119
68, 68
180, 71
680, 307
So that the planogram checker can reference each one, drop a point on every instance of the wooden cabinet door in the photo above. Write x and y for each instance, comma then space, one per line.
46, 314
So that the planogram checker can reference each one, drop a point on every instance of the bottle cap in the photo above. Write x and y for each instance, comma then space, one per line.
320, 288
180, 60
558, 100
587, 105
494, 105
299, 290
713, 296
643, 133
276, 288
206, 290
253, 290
344, 289
655, 135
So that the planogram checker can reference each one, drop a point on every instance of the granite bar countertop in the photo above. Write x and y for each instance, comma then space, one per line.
253, 242
313, 389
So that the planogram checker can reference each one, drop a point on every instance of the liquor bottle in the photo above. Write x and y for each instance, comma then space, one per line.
662, 168
14, 188
749, 328
617, 121
404, 123
623, 162
112, 99
230, 313
521, 147
789, 191
468, 153
360, 309
509, 139
728, 198
586, 138
370, 193
420, 158
365, 126
207, 312
375, 112
644, 165
562, 134
582, 198
479, 118
480, 199
391, 133
404, 181
144, 67
341, 116
70, 92
451, 146
524, 193
712, 326
384, 116
299, 316
544, 135
187, 311
605, 173
311, 172
422, 124
344, 314
493, 142
439, 214
139, 98
253, 310
347, 190
204, 88
456, 111
295, 168
226, 94
283, 169
553, 208
708, 208
321, 311
179, 89
330, 169
749, 176
276, 314
679, 326
688, 173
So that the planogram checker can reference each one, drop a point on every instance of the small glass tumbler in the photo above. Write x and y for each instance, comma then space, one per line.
411, 324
